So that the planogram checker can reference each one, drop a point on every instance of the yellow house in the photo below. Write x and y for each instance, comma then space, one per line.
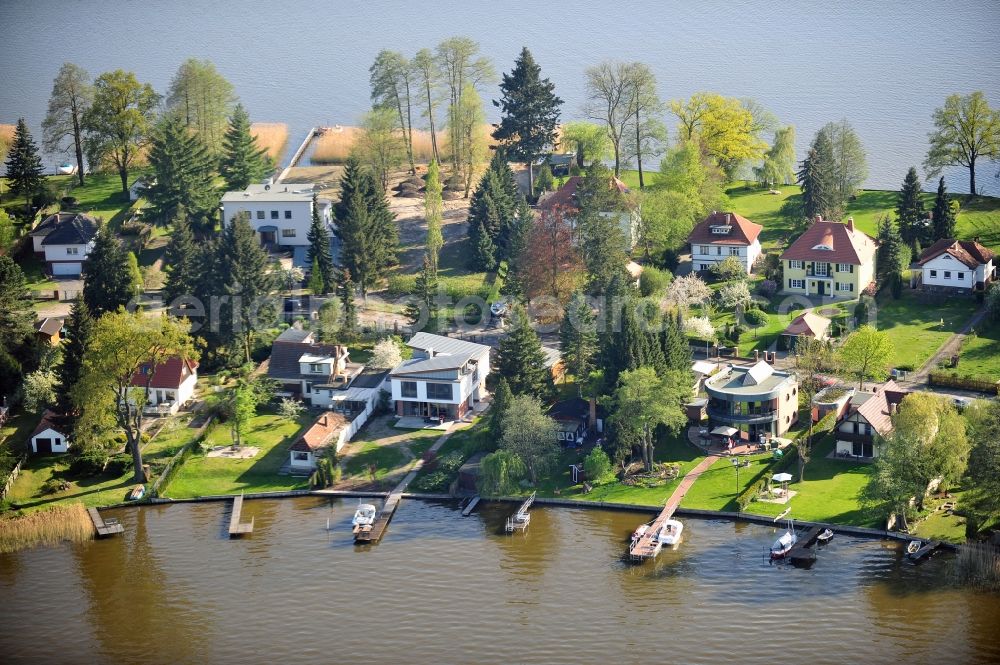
831, 259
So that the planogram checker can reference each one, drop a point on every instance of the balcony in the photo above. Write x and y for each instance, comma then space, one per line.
754, 416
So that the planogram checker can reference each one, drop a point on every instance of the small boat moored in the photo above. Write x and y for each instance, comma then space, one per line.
913, 546
67, 169
364, 515
136, 493
825, 537
670, 533
784, 544
640, 531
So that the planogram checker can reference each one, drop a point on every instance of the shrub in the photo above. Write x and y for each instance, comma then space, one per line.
861, 312
730, 268
767, 288
89, 462
670, 259
755, 318
654, 281
597, 466
119, 464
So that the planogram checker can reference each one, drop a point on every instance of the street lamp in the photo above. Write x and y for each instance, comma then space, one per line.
736, 463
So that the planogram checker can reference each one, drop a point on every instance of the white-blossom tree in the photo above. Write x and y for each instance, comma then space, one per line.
734, 295
700, 327
687, 291
386, 354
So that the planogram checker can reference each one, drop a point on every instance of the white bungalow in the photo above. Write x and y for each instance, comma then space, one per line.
49, 436
957, 265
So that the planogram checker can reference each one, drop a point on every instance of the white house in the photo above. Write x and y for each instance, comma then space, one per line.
279, 213
172, 385
721, 235
565, 198
328, 430
962, 265
49, 436
64, 240
444, 379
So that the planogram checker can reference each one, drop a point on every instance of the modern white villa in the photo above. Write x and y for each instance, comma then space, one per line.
957, 265
721, 235
279, 213
64, 240
445, 378
756, 400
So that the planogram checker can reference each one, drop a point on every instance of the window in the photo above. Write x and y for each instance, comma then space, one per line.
287, 233
439, 391
796, 283
288, 214
317, 368
718, 251
561, 435
721, 230
960, 276
704, 249
821, 269
933, 273
795, 265
408, 388
260, 214
301, 456
947, 274
73, 251
274, 214
734, 251
845, 267
845, 286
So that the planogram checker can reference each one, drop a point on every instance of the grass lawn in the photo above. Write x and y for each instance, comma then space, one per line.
980, 355
201, 475
101, 196
384, 446
718, 487
34, 274
99, 490
915, 327
828, 493
941, 526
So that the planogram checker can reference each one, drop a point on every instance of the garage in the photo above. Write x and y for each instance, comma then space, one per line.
50, 436
68, 269
43, 445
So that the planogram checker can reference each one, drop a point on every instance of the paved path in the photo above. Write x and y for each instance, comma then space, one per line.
949, 348
687, 481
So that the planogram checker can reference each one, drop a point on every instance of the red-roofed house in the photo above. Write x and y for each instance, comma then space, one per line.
329, 429
869, 414
172, 384
830, 259
566, 198
951, 264
724, 234
50, 435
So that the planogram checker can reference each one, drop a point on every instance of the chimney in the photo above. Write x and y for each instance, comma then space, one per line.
756, 354
892, 408
728, 218
592, 413
819, 218
850, 224
429, 351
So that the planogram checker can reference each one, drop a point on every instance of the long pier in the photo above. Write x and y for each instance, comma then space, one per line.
102, 527
236, 527
802, 553
647, 546
374, 533
472, 506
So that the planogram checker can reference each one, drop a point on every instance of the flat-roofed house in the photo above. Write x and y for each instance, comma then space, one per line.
279, 213
445, 378
756, 400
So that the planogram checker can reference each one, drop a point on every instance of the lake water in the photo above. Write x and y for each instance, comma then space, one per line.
884, 65
441, 588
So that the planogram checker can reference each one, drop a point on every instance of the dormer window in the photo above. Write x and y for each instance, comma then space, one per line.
317, 368
825, 248
721, 230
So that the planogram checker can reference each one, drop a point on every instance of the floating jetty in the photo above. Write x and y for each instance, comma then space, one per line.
374, 531
471, 506
236, 527
802, 553
519, 521
925, 551
102, 527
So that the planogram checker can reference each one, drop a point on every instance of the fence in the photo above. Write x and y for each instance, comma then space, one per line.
953, 380
179, 458
13, 476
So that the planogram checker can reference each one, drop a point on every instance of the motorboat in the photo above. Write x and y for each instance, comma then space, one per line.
640, 531
67, 169
364, 515
784, 544
670, 533
499, 308
136, 493
913, 546
824, 537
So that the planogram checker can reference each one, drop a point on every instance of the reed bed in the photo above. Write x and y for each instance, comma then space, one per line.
6, 133
978, 565
335, 144
46, 527
272, 136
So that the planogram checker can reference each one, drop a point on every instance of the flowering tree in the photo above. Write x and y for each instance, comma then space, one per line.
734, 295
699, 326
386, 354
687, 291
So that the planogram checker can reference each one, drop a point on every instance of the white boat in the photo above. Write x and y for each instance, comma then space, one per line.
913, 546
499, 308
784, 543
364, 515
67, 169
640, 531
824, 537
670, 533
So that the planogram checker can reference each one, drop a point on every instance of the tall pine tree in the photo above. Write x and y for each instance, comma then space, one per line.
319, 255
578, 338
183, 171
366, 228
944, 214
247, 280
78, 329
910, 208
346, 293
520, 359
817, 177
529, 112
891, 252
181, 261
107, 283
423, 307
24, 166
243, 161
17, 318
674, 345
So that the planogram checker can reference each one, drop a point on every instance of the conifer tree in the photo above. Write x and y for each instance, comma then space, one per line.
817, 178
247, 281
319, 255
347, 302
316, 284
385, 235
78, 329
891, 250
17, 318
366, 228
529, 112
674, 345
502, 397
425, 292
484, 251
243, 161
24, 166
944, 214
180, 260
108, 282
183, 171
578, 338
910, 207
520, 359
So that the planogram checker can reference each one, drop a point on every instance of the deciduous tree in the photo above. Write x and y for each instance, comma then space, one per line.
530, 435
71, 96
203, 99
426, 73
589, 141
647, 133
866, 354
966, 130
644, 401
553, 265
391, 78
380, 146
724, 126
609, 98
433, 213
778, 167
463, 70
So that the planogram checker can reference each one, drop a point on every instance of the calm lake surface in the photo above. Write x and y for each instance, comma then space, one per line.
884, 65
441, 588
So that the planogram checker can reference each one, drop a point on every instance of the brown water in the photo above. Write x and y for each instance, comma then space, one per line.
446, 589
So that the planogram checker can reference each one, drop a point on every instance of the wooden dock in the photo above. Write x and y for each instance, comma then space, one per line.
374, 533
104, 528
472, 506
236, 527
927, 549
802, 553
519, 521
647, 546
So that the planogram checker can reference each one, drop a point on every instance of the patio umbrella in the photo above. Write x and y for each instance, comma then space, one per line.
781, 477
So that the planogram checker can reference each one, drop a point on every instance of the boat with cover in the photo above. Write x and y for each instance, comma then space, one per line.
825, 537
785, 542
67, 169
364, 515
670, 533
